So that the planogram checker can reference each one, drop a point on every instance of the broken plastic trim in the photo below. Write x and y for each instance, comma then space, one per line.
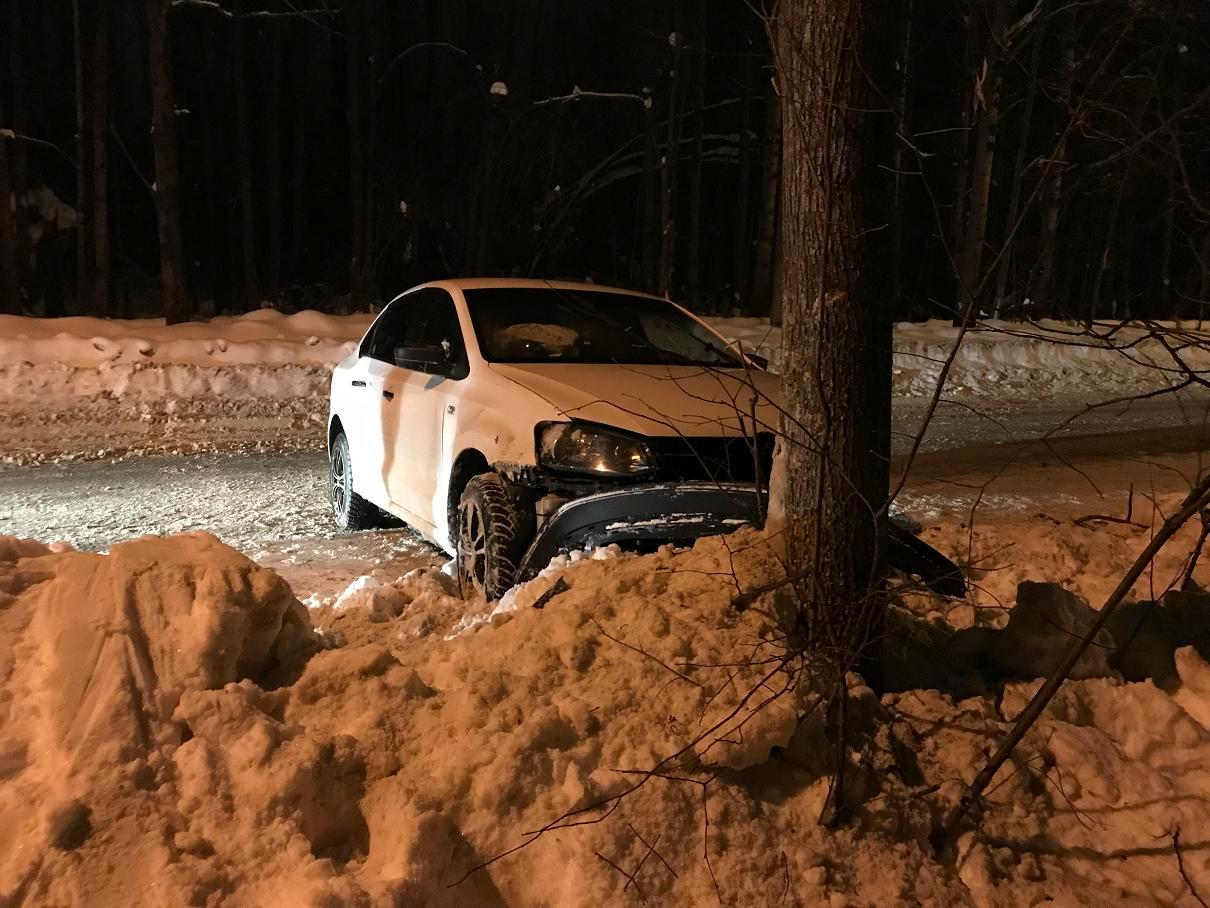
680, 512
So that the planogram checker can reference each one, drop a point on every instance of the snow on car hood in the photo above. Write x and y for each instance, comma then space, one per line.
651, 400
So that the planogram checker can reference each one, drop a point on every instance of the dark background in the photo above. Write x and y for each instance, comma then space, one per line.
1094, 121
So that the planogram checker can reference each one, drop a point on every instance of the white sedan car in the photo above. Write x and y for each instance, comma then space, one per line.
509, 420
476, 410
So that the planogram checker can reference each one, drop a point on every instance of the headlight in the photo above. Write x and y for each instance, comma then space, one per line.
589, 449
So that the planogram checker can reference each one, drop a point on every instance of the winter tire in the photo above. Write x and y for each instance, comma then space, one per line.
491, 537
350, 510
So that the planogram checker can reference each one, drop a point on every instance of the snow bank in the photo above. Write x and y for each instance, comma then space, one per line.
256, 338
101, 387
1010, 360
156, 711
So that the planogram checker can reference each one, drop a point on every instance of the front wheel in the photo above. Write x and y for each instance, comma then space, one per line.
491, 537
350, 510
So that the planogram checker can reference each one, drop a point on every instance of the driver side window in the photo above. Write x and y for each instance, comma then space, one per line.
390, 325
423, 318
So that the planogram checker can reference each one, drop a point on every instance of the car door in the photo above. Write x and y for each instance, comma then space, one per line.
362, 409
415, 398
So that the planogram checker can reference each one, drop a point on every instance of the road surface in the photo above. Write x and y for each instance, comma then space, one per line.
274, 507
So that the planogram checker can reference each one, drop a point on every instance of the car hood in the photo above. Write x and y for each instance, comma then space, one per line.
652, 400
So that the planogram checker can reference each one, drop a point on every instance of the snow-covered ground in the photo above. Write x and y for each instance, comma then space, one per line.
175, 722
87, 388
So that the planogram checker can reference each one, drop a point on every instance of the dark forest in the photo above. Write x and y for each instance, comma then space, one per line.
1050, 157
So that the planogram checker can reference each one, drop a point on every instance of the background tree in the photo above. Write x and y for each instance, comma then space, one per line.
173, 296
1057, 157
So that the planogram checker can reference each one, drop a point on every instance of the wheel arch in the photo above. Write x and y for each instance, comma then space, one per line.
470, 462
334, 428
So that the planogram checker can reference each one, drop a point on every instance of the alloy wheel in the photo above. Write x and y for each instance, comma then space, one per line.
340, 482
472, 545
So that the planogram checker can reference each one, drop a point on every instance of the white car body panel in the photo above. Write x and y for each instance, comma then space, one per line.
404, 449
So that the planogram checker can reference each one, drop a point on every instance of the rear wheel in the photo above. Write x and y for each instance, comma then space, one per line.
350, 510
491, 537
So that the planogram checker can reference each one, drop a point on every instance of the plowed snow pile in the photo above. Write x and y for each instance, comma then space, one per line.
174, 733
86, 387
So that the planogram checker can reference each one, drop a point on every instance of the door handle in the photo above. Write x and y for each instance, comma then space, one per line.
358, 383
389, 395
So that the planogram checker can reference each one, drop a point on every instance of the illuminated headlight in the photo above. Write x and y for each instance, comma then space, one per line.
589, 449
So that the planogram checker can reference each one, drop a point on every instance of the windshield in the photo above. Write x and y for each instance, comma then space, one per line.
550, 325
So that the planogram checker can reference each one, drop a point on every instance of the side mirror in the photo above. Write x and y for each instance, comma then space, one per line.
761, 362
429, 358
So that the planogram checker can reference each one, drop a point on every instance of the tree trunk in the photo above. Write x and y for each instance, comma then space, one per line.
649, 256
81, 19
173, 299
693, 269
1043, 283
671, 158
1203, 301
357, 174
903, 128
1014, 199
298, 176
970, 261
100, 165
274, 165
216, 156
766, 227
836, 373
243, 144
10, 287
17, 171
741, 249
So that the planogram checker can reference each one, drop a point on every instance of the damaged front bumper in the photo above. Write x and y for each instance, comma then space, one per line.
675, 512
680, 512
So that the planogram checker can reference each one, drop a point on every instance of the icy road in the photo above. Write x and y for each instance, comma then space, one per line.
274, 507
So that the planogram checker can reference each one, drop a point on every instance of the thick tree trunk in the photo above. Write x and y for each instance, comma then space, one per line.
836, 370
243, 144
100, 165
173, 298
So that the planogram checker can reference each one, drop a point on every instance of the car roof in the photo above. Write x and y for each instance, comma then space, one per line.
491, 283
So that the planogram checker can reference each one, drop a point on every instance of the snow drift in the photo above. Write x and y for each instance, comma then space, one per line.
173, 730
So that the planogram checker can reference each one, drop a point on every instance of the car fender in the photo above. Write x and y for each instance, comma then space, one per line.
495, 417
